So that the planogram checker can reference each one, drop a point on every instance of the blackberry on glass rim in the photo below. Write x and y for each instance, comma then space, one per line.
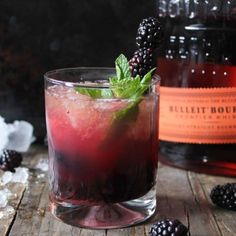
149, 33
148, 39
141, 62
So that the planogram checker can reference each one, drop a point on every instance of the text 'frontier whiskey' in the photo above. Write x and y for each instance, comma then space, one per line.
197, 65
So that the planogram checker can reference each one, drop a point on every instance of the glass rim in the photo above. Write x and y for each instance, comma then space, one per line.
87, 84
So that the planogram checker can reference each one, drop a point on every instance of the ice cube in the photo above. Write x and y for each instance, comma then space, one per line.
4, 195
6, 178
3, 134
20, 136
7, 212
21, 175
3, 200
42, 165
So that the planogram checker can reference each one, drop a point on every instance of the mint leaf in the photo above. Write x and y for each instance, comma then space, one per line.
143, 85
148, 77
122, 67
89, 92
95, 93
106, 93
128, 87
131, 110
125, 88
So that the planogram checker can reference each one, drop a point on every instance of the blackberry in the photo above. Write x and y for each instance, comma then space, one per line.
9, 160
168, 228
224, 196
141, 62
149, 33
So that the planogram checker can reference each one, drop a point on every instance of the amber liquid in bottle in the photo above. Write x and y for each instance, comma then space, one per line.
199, 52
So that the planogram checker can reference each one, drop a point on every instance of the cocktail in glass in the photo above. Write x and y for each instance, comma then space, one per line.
102, 159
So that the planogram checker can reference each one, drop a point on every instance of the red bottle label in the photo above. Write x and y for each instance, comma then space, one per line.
198, 115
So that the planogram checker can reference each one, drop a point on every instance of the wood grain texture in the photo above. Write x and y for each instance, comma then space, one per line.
180, 194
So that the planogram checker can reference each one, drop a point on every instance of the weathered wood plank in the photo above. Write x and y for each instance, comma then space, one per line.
17, 191
26, 221
178, 198
180, 194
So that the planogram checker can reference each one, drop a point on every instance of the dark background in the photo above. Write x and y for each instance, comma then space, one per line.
40, 35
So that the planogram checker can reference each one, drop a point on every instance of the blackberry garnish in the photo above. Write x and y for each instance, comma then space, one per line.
142, 62
224, 196
9, 160
168, 228
149, 33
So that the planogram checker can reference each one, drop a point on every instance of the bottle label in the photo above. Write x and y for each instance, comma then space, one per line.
198, 115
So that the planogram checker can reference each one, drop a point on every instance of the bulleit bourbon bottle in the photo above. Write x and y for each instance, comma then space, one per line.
197, 65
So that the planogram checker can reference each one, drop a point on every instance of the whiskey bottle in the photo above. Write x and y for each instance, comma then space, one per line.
197, 64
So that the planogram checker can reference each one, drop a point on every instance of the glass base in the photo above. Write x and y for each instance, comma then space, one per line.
107, 216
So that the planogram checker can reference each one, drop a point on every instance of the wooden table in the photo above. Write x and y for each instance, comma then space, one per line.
181, 194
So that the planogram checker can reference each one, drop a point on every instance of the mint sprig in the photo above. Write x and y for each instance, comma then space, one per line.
123, 86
